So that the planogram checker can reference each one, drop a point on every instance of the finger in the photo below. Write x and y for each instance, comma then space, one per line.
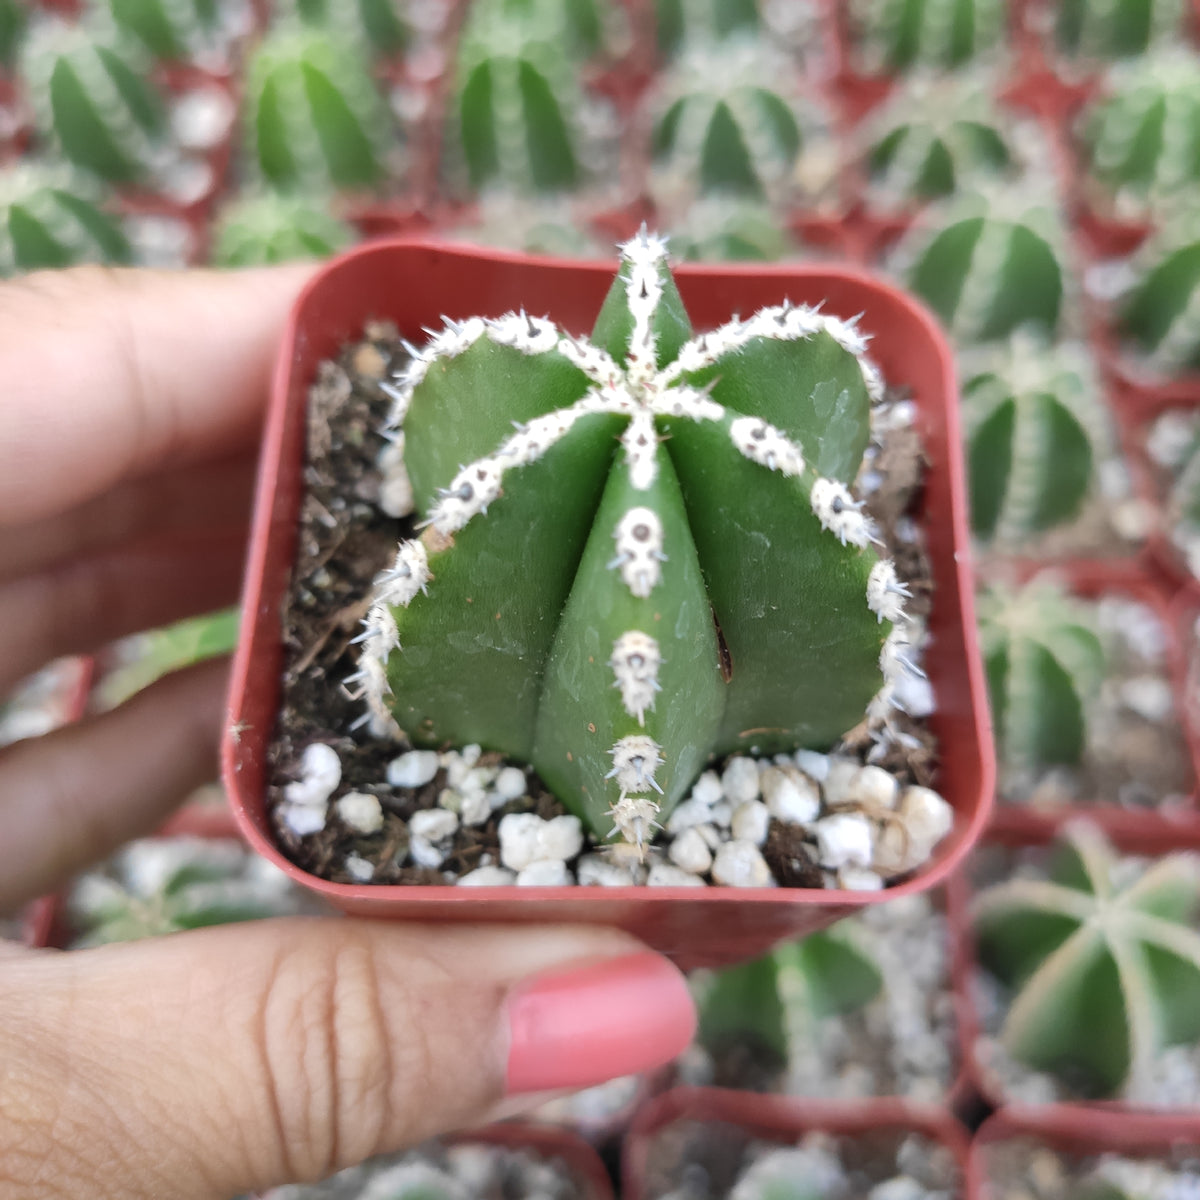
105, 374
225, 1060
209, 495
72, 797
78, 606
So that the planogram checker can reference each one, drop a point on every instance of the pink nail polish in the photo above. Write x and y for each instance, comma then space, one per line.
585, 1024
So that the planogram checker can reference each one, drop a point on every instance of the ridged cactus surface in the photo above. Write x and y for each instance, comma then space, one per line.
895, 35
1117, 28
377, 27
678, 22
168, 29
651, 555
1105, 970
273, 228
1036, 427
1044, 664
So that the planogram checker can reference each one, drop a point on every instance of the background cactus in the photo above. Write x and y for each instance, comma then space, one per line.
988, 264
378, 28
48, 218
572, 624
1116, 28
313, 117
1105, 968
728, 229
169, 29
677, 22
1143, 139
894, 35
94, 102
14, 17
273, 228
1044, 663
1036, 429
1160, 312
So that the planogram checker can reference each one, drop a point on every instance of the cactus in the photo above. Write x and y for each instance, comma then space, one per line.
726, 124
725, 229
1036, 428
273, 228
676, 22
987, 264
939, 133
1116, 28
160, 886
896, 35
1160, 312
50, 218
1044, 664
778, 1002
1143, 139
94, 102
14, 17
168, 29
313, 117
377, 27
616, 620
1105, 970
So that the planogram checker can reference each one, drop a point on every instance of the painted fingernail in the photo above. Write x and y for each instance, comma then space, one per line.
586, 1024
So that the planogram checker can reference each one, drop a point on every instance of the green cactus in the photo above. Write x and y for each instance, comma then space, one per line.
726, 124
168, 29
988, 264
1117, 28
1036, 427
94, 101
273, 228
896, 35
377, 27
1160, 312
1106, 972
778, 1002
677, 22
728, 229
1143, 138
160, 886
313, 117
51, 218
14, 19
939, 133
582, 625
1044, 663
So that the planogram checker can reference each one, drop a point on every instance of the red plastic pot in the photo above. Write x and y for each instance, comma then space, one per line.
1079, 1135
1130, 833
413, 284
780, 1119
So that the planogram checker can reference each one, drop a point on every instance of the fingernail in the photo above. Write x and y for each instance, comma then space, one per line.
583, 1025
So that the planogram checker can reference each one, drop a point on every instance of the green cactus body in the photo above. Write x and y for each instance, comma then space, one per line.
377, 27
1143, 139
1044, 664
272, 228
1106, 972
725, 124
779, 1001
728, 229
896, 35
95, 103
14, 18
313, 116
1161, 311
168, 29
988, 265
661, 564
938, 134
1036, 427
1116, 28
678, 22
49, 218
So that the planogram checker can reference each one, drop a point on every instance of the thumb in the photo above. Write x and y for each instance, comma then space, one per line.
223, 1060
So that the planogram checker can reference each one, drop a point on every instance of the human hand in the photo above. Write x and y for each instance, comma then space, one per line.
236, 1058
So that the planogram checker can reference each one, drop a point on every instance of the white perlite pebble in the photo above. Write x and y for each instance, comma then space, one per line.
739, 780
902, 1187
511, 783
525, 838
926, 816
433, 824
488, 877
843, 840
686, 815
666, 875
545, 873
359, 869
594, 870
560, 838
320, 773
739, 864
815, 765
424, 853
707, 789
873, 787
750, 822
859, 879
361, 811
690, 851
302, 819
413, 769
721, 814
474, 808
790, 795
836, 784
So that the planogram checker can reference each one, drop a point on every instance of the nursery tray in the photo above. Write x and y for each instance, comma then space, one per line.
413, 284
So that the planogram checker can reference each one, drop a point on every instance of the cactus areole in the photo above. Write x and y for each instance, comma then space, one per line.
637, 552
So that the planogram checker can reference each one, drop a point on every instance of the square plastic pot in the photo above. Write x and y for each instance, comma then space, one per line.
413, 284
782, 1120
